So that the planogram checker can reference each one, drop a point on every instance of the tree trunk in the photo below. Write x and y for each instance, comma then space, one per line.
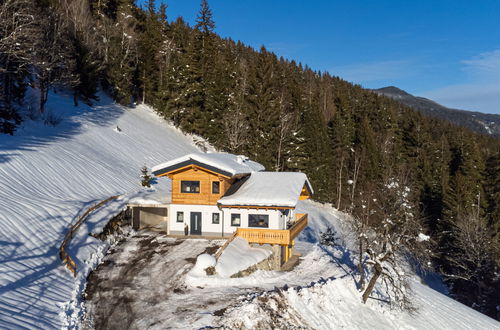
371, 284
75, 98
340, 182
43, 96
360, 266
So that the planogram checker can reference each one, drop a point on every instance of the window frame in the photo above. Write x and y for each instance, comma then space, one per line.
233, 217
181, 213
213, 218
190, 192
218, 187
266, 221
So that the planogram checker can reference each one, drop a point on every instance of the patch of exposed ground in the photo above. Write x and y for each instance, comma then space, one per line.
140, 284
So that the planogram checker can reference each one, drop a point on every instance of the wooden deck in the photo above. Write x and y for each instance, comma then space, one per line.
273, 236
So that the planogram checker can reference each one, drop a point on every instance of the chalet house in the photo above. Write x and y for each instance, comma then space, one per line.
221, 194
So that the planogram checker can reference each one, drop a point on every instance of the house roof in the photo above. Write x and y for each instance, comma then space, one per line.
267, 189
226, 164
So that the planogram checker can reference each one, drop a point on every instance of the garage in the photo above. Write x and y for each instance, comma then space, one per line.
154, 216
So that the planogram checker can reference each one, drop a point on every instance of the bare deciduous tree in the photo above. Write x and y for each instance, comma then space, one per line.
388, 228
52, 57
287, 122
474, 251
235, 122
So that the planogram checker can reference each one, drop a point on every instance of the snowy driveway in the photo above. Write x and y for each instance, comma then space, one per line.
141, 285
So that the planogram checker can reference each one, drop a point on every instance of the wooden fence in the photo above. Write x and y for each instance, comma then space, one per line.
65, 258
229, 240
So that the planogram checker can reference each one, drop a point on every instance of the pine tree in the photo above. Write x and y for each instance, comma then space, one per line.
146, 179
122, 59
204, 21
149, 47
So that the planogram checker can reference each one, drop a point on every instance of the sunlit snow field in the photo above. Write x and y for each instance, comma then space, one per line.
50, 175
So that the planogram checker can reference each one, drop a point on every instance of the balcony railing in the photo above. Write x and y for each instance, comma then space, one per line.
274, 236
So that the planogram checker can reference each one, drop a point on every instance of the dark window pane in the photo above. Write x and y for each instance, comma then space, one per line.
191, 187
235, 219
215, 218
258, 220
215, 187
180, 216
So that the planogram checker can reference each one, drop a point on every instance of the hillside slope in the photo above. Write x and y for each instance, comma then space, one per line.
333, 302
49, 175
477, 121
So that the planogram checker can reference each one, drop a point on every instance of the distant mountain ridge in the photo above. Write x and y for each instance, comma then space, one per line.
477, 121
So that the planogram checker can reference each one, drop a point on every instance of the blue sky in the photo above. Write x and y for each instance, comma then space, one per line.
446, 50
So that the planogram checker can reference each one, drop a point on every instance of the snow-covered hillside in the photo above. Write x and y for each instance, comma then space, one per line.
332, 301
50, 175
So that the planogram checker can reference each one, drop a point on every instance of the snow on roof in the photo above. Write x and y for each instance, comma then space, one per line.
267, 189
223, 163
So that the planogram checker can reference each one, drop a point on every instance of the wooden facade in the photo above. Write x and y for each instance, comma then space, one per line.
305, 193
205, 177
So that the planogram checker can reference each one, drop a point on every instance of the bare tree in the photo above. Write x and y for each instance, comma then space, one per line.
287, 122
389, 228
16, 25
52, 57
235, 122
474, 251
16, 31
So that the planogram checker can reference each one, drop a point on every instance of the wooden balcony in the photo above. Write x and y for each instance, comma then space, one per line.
273, 236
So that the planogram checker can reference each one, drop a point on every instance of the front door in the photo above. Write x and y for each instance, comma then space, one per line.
195, 223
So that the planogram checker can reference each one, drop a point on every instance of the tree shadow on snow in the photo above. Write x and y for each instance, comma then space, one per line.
35, 134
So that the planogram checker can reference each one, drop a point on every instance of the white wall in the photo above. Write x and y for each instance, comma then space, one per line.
206, 218
275, 219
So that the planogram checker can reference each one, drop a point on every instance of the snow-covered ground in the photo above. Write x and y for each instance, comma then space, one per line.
50, 175
332, 301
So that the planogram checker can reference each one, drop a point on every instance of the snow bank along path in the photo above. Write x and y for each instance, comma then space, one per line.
50, 174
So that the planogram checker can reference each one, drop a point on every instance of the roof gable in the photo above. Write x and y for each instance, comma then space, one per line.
228, 165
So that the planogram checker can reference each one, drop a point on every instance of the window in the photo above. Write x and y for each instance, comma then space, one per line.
215, 187
215, 218
191, 187
180, 216
235, 219
258, 220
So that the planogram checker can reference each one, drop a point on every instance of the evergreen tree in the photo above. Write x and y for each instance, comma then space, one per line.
146, 179
122, 58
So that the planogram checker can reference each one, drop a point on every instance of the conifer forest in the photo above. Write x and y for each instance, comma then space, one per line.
349, 141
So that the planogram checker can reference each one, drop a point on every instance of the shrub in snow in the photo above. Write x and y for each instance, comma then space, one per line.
146, 178
52, 119
329, 237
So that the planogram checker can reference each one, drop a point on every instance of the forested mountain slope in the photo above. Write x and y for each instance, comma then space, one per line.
479, 122
50, 175
351, 142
